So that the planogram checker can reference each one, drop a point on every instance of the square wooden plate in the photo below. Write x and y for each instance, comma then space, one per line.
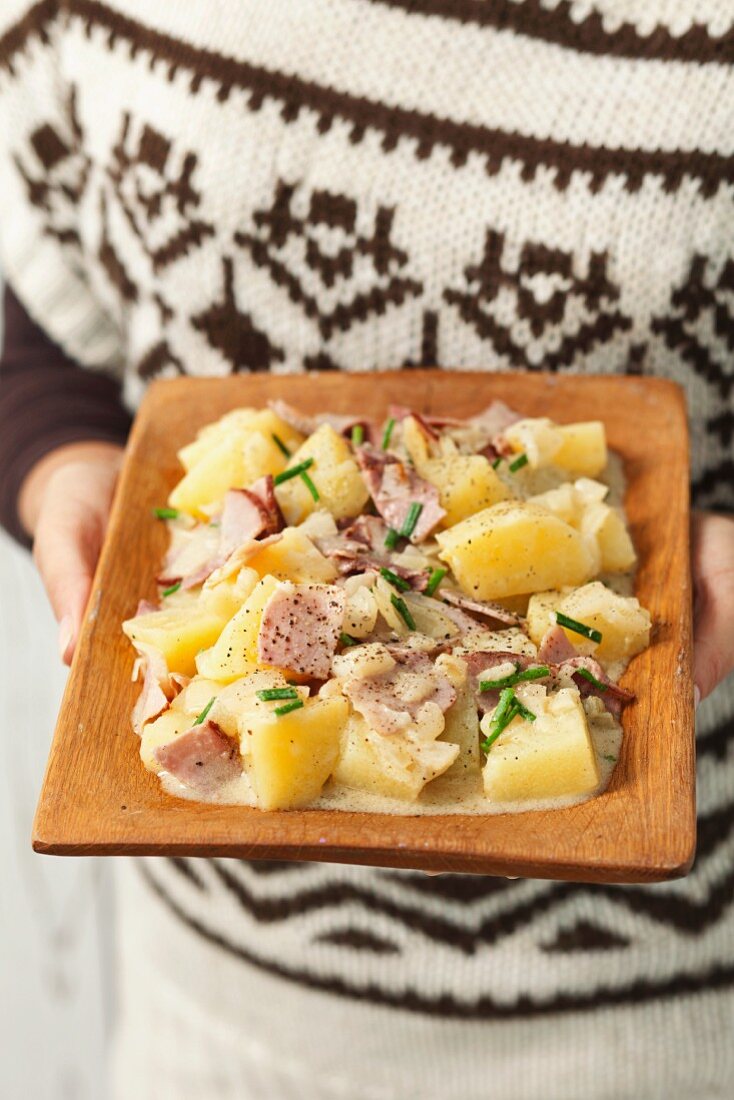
98, 799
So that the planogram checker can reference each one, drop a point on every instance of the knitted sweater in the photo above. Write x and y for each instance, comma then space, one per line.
352, 185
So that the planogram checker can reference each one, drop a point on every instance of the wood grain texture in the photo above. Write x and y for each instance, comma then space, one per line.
98, 799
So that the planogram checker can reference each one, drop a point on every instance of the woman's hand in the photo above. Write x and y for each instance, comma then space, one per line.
65, 504
713, 586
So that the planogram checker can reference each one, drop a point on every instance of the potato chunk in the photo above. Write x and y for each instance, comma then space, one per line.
164, 729
541, 613
462, 719
466, 484
392, 766
583, 448
607, 528
236, 460
334, 473
179, 633
294, 557
235, 651
514, 548
289, 758
624, 625
235, 423
225, 597
537, 437
551, 757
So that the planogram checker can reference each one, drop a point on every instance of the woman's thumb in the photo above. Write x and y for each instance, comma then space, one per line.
66, 547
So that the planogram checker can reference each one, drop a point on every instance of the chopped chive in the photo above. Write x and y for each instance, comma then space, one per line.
280, 445
403, 611
388, 433
288, 707
310, 486
293, 471
610, 758
496, 463
347, 639
205, 711
509, 707
538, 673
411, 519
502, 716
523, 711
577, 627
267, 694
437, 575
166, 513
357, 435
591, 678
394, 580
391, 539
520, 461
173, 588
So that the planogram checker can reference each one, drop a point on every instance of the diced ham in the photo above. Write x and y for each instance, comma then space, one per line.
145, 607
394, 488
247, 515
300, 422
555, 646
300, 628
203, 758
264, 490
151, 702
307, 425
159, 686
240, 557
244, 517
613, 696
392, 701
467, 624
401, 412
480, 663
483, 608
368, 530
192, 557
495, 419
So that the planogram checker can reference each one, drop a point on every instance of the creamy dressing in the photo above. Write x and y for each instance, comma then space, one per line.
457, 794
442, 796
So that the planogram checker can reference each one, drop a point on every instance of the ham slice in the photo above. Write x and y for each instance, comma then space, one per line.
203, 758
247, 515
613, 696
264, 490
495, 419
244, 517
159, 686
426, 420
394, 488
300, 628
392, 701
307, 425
360, 548
480, 663
555, 647
483, 608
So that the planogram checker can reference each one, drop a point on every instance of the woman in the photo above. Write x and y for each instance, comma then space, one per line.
354, 185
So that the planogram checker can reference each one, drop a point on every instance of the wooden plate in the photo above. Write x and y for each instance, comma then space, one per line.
98, 799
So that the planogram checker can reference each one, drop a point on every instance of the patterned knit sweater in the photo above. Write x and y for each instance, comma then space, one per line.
286, 185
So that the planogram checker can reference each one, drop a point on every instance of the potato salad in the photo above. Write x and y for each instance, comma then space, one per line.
420, 615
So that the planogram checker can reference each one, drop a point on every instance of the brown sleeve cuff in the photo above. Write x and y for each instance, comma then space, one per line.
46, 401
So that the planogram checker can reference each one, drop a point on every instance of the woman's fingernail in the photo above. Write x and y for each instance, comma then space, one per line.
66, 634
696, 696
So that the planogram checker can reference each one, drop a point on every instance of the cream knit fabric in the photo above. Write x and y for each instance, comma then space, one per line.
358, 184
